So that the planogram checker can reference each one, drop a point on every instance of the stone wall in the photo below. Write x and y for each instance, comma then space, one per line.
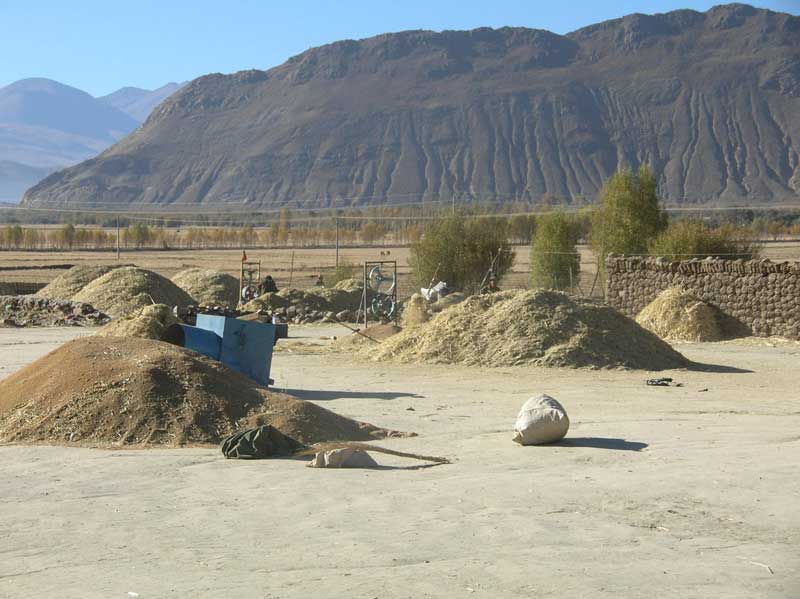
762, 295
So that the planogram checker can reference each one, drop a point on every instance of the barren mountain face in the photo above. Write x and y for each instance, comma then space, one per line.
710, 100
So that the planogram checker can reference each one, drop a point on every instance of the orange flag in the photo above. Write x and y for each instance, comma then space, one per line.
244, 256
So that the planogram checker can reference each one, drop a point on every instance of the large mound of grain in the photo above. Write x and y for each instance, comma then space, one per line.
147, 323
677, 315
112, 390
68, 283
539, 327
126, 290
209, 287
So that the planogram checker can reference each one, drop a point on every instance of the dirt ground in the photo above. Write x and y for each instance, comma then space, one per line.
659, 491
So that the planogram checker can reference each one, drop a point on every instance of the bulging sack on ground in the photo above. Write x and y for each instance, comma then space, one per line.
345, 457
541, 420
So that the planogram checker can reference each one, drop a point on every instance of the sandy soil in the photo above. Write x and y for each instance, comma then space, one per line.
670, 492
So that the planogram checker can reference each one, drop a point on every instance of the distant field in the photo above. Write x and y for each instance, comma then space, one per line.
299, 267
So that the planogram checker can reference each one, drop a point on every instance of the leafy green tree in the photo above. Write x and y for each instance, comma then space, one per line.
555, 261
461, 251
687, 239
629, 216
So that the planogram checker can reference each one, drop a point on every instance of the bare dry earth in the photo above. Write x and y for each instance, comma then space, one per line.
669, 492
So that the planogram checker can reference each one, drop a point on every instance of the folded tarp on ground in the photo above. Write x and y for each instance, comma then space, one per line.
260, 442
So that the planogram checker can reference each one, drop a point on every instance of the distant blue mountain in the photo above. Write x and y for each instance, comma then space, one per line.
46, 125
137, 102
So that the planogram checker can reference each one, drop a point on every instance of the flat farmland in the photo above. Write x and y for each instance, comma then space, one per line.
290, 267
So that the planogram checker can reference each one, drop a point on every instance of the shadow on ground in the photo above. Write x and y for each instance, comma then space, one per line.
311, 395
602, 443
700, 367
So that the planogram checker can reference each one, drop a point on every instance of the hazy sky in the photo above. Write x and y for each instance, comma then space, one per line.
100, 46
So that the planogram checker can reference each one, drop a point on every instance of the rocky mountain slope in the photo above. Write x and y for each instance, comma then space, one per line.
137, 102
710, 100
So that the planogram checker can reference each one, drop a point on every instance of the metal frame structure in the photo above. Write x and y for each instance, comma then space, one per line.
370, 268
248, 270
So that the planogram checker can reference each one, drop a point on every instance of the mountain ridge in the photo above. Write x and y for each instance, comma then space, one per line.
710, 100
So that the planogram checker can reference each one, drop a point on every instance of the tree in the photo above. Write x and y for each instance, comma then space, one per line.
687, 239
521, 227
66, 236
629, 216
555, 261
460, 252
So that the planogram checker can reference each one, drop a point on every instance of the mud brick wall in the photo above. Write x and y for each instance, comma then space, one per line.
762, 295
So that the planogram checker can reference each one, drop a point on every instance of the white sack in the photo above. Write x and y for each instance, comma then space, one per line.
346, 457
541, 420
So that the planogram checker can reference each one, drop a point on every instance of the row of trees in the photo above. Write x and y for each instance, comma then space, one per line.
140, 236
628, 220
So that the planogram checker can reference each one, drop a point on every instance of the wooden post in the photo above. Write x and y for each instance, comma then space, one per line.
117, 237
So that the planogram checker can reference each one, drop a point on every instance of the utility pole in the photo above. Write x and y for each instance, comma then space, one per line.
337, 242
117, 237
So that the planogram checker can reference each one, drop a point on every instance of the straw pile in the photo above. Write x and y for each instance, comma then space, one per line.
677, 315
68, 283
147, 323
209, 287
119, 391
126, 290
538, 327
415, 311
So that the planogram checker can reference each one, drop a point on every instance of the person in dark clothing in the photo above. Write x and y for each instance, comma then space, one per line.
268, 285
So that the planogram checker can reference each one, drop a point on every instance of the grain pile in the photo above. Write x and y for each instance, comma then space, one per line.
128, 289
146, 323
538, 327
677, 315
415, 311
209, 287
119, 391
67, 284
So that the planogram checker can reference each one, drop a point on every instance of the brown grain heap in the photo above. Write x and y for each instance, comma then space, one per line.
121, 391
209, 287
68, 283
128, 289
676, 315
538, 327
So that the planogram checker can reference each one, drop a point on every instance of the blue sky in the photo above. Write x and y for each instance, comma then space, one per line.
100, 46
